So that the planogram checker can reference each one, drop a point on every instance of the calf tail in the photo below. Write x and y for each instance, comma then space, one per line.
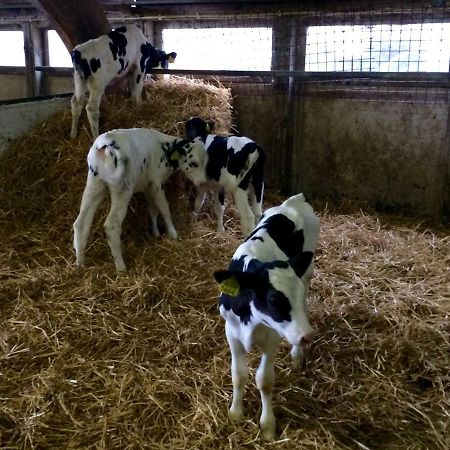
258, 174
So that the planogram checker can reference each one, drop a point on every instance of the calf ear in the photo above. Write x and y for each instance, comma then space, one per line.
171, 57
301, 262
232, 282
228, 283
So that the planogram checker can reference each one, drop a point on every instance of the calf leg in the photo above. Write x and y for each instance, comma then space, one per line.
296, 356
77, 103
93, 195
246, 215
163, 206
153, 213
92, 109
219, 209
264, 380
256, 201
113, 225
135, 84
200, 195
239, 373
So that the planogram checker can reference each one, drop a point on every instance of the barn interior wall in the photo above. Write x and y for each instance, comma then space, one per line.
390, 154
12, 87
19, 118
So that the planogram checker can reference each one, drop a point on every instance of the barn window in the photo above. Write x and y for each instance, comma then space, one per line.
220, 48
59, 56
421, 47
12, 45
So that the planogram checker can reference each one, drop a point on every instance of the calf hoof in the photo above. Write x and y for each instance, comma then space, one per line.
268, 435
268, 432
79, 262
172, 234
236, 415
121, 267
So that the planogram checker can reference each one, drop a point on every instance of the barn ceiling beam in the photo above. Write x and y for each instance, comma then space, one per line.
75, 20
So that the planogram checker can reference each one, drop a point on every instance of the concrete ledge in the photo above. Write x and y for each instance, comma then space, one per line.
17, 117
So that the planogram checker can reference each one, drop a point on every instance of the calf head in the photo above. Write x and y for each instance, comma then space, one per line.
197, 127
269, 293
152, 58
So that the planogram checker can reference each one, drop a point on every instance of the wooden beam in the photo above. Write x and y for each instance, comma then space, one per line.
30, 65
76, 21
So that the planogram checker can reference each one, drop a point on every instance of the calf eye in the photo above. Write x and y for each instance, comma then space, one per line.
194, 164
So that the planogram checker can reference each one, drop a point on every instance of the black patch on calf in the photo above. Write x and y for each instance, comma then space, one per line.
300, 263
94, 171
118, 44
196, 127
240, 305
282, 230
218, 157
95, 64
265, 298
138, 78
81, 63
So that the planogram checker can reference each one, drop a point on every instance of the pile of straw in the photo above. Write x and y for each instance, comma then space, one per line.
95, 359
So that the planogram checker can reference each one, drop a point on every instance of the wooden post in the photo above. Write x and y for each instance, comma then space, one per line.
30, 66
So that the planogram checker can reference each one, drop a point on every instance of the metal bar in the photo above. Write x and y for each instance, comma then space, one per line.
307, 76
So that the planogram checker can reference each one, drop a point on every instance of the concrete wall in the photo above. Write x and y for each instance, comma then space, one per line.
18, 118
390, 154
12, 87
393, 155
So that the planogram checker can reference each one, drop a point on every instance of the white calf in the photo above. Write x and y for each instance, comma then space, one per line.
264, 295
123, 51
220, 163
126, 161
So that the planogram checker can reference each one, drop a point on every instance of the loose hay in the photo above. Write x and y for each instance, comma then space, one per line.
95, 359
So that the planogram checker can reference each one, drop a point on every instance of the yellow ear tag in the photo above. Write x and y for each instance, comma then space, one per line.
207, 128
230, 286
175, 155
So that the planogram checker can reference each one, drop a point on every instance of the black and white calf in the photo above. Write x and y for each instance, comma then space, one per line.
126, 161
122, 52
263, 298
234, 164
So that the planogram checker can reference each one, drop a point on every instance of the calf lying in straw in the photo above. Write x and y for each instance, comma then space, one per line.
126, 161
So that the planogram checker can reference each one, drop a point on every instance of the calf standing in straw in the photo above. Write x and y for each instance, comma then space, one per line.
234, 164
125, 162
122, 52
264, 295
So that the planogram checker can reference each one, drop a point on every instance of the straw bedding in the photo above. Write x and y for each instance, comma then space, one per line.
94, 359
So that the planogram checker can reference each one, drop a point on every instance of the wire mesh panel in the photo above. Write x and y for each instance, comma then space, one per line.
353, 45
